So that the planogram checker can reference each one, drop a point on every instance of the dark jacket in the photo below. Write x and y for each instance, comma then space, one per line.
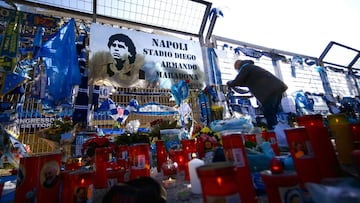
261, 83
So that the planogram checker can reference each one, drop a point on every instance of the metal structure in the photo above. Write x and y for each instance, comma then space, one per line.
347, 59
184, 11
352, 62
185, 17
335, 56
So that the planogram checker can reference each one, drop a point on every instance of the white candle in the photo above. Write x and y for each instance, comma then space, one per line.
194, 179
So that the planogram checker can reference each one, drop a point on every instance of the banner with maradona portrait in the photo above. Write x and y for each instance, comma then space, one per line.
130, 58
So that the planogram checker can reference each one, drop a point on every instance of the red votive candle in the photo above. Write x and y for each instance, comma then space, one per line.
178, 157
356, 160
315, 120
101, 162
189, 150
279, 186
355, 132
139, 160
169, 168
324, 151
1, 188
188, 147
271, 137
303, 155
38, 179
235, 153
161, 154
200, 148
76, 186
217, 182
122, 156
250, 138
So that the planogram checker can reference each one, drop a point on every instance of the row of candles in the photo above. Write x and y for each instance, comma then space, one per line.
184, 159
126, 156
136, 160
319, 161
193, 148
138, 164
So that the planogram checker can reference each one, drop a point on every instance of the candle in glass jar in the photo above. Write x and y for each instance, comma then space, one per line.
169, 168
169, 183
160, 153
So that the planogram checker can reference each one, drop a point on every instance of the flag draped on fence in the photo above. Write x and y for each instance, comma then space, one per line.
9, 81
62, 70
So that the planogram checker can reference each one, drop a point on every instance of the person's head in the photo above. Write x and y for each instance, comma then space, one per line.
295, 199
149, 189
238, 64
121, 193
122, 48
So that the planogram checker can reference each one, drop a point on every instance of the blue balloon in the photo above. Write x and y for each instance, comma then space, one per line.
180, 91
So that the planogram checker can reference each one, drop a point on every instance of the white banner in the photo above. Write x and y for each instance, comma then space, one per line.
129, 58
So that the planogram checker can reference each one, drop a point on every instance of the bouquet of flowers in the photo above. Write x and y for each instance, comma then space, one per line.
210, 138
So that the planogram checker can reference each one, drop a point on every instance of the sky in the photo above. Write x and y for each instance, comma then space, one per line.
300, 26
303, 27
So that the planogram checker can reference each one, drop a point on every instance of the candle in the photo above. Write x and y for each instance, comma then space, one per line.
139, 160
169, 168
194, 179
178, 157
160, 153
101, 159
169, 183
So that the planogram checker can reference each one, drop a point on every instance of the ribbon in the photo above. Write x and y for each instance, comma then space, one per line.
237, 50
217, 12
274, 56
337, 70
225, 46
309, 62
249, 52
296, 61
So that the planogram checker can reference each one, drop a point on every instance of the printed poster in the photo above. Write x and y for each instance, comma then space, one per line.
130, 58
